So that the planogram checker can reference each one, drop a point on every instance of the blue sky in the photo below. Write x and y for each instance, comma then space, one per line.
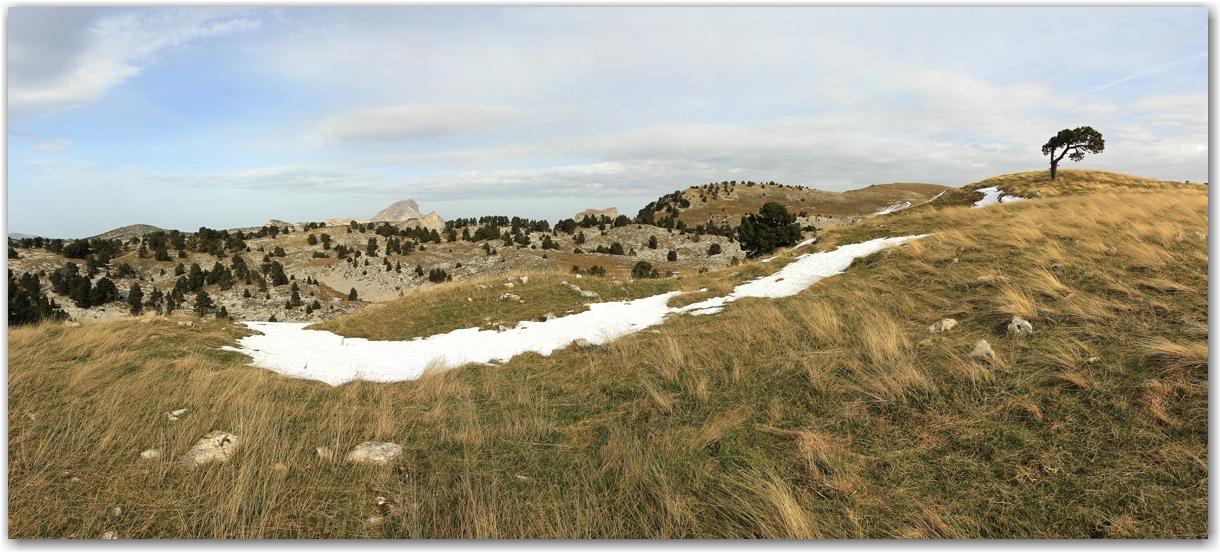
226, 117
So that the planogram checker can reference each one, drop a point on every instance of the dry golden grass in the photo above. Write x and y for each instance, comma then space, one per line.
815, 416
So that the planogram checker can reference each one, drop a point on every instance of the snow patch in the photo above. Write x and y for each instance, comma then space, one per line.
993, 195
288, 348
894, 207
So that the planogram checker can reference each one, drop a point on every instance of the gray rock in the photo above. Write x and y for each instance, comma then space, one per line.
188, 324
216, 446
373, 452
942, 326
509, 297
584, 343
982, 351
1020, 326
150, 454
326, 453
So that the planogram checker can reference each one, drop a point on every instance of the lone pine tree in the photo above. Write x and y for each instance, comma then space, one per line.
1073, 143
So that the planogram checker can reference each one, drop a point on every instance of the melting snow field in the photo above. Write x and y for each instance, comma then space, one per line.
289, 349
994, 195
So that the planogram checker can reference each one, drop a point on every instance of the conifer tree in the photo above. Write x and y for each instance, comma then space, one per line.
652, 242
135, 296
672, 256
203, 303
351, 296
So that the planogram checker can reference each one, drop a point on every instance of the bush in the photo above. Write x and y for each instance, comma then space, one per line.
772, 227
672, 256
652, 242
713, 249
203, 303
643, 269
596, 270
437, 275
352, 295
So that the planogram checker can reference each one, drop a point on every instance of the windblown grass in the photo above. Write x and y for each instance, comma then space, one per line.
832, 414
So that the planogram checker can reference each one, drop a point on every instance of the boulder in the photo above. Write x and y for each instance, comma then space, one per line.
942, 326
510, 297
373, 452
982, 351
1020, 326
216, 446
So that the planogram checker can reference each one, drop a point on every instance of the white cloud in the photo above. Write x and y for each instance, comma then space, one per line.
108, 51
403, 122
298, 178
57, 144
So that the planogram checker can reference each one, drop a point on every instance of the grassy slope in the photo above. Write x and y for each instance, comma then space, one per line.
825, 414
748, 199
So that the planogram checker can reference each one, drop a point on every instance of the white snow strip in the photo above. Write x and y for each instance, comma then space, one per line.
990, 195
804, 243
935, 198
894, 207
289, 349
1012, 199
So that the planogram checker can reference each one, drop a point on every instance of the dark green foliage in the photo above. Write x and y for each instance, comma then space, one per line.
203, 303
419, 270
195, 278
1073, 143
246, 294
222, 313
135, 296
78, 249
372, 248
671, 256
713, 249
643, 269
352, 295
772, 227
27, 304
597, 270
325, 241
124, 270
103, 292
312, 239
580, 238
179, 270
278, 252
652, 242
437, 275
278, 278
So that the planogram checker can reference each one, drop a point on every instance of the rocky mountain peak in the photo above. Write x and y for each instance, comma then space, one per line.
398, 211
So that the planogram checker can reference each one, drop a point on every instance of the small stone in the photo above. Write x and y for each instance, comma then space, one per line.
925, 342
942, 326
982, 351
31, 416
216, 446
509, 297
373, 452
1091, 360
579, 277
171, 417
75, 480
523, 478
549, 316
563, 283
955, 259
188, 324
508, 284
1020, 326
470, 299
588, 293
150, 454
525, 279
583, 343
110, 535
375, 520
326, 453
71, 324
179, 412
117, 511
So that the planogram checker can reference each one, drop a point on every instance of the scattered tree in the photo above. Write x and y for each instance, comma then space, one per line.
772, 227
1073, 143
135, 296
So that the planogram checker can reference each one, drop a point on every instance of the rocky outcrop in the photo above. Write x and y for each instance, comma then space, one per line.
942, 326
398, 211
216, 446
611, 212
982, 351
1020, 326
372, 452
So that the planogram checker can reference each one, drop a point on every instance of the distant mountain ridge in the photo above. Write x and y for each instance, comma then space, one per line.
129, 231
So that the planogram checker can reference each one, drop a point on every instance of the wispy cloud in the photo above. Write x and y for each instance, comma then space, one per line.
403, 122
1147, 72
297, 178
106, 51
57, 144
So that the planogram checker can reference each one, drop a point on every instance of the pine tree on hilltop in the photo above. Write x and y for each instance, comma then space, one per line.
772, 227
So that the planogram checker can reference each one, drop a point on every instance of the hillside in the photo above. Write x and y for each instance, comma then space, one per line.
832, 413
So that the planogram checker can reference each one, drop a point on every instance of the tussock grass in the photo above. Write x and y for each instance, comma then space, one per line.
832, 414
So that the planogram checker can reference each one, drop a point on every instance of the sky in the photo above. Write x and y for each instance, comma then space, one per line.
229, 117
